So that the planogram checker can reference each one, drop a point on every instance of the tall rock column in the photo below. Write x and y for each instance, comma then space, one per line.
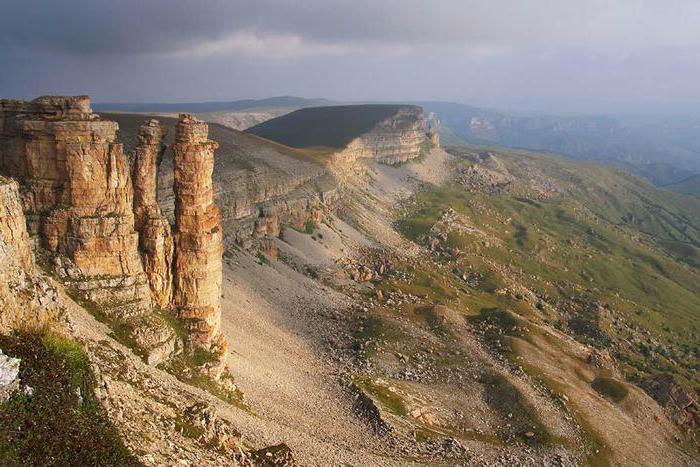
198, 237
155, 239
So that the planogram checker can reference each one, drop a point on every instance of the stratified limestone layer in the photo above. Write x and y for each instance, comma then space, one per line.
155, 239
13, 227
77, 196
198, 237
393, 141
26, 300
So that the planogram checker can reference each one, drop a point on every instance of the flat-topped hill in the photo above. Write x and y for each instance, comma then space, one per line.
332, 127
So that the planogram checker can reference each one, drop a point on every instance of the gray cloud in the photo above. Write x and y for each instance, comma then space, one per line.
492, 52
161, 26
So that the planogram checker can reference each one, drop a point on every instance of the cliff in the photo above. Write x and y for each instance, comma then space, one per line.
98, 219
394, 140
77, 197
155, 238
257, 184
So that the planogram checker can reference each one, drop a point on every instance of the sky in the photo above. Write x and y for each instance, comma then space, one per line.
585, 56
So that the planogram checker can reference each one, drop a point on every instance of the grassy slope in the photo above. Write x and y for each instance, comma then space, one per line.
332, 127
60, 423
611, 239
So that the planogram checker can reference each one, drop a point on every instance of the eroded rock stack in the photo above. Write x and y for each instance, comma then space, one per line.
198, 236
155, 239
99, 219
77, 196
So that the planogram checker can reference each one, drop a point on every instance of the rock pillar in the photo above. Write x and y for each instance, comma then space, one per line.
155, 239
198, 237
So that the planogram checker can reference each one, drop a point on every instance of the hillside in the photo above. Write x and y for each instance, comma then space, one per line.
331, 127
479, 305
689, 186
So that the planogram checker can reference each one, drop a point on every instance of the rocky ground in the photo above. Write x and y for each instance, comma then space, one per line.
359, 344
339, 358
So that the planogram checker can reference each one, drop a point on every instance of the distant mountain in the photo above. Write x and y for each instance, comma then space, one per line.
201, 107
663, 149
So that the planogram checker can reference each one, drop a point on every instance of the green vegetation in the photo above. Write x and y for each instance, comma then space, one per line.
310, 226
610, 387
388, 399
187, 367
60, 423
603, 245
325, 127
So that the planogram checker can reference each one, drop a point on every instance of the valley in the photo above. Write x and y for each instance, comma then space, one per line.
385, 301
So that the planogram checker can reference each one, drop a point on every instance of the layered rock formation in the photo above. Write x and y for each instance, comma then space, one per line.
198, 236
155, 239
392, 141
26, 300
101, 222
14, 239
77, 196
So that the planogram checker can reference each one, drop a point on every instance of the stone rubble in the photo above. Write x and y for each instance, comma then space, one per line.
9, 376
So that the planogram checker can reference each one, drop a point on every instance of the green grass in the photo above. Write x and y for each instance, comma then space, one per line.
310, 226
61, 423
388, 399
608, 238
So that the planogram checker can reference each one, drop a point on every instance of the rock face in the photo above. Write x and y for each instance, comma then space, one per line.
392, 141
99, 218
26, 300
14, 238
77, 196
198, 236
155, 239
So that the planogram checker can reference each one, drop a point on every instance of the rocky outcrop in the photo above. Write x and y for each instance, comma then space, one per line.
26, 300
198, 236
99, 218
394, 140
155, 239
13, 228
9, 376
681, 405
77, 196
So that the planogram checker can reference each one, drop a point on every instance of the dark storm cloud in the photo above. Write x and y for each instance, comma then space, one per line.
498, 51
162, 26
